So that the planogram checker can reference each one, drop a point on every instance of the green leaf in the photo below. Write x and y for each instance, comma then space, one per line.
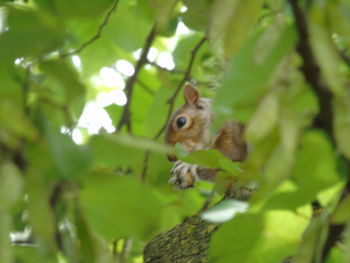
315, 166
81, 8
325, 49
232, 242
342, 212
10, 185
92, 248
6, 253
10, 88
31, 34
122, 149
240, 92
16, 122
114, 206
40, 210
314, 170
197, 15
233, 19
212, 159
182, 52
264, 119
164, 11
70, 159
128, 27
342, 123
32, 255
64, 84
313, 240
249, 237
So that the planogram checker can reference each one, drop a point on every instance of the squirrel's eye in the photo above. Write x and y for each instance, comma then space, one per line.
181, 121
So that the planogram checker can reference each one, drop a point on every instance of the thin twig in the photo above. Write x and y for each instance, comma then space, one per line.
171, 102
209, 199
186, 78
126, 115
97, 35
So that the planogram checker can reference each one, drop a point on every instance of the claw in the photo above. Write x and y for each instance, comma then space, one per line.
184, 175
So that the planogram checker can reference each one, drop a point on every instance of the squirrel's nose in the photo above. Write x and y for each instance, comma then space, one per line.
172, 158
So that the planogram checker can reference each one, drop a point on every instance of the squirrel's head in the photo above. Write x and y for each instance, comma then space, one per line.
191, 122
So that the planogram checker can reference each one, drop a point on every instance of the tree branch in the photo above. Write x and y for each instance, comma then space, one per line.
312, 73
324, 119
126, 115
97, 35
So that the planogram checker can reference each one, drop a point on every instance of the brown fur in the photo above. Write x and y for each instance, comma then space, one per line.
195, 135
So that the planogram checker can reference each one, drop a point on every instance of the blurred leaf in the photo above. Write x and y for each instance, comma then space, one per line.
91, 248
114, 111
233, 19
164, 10
314, 170
70, 159
337, 13
10, 185
264, 119
346, 256
325, 50
40, 210
6, 253
10, 192
277, 169
342, 212
10, 88
224, 211
155, 118
22, 126
342, 123
249, 237
313, 240
128, 27
115, 205
212, 159
315, 164
240, 92
29, 254
122, 149
81, 8
197, 15
31, 34
182, 52
232, 243
64, 82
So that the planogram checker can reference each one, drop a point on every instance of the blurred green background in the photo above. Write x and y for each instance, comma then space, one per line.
84, 97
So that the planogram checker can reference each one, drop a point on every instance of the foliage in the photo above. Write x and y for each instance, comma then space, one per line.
88, 173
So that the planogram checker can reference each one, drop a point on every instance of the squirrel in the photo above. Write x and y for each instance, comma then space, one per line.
190, 127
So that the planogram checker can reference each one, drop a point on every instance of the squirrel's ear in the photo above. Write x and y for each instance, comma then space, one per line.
191, 94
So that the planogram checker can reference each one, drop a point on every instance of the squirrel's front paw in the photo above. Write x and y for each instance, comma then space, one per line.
184, 175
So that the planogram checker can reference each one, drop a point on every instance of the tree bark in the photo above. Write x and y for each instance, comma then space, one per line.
188, 242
